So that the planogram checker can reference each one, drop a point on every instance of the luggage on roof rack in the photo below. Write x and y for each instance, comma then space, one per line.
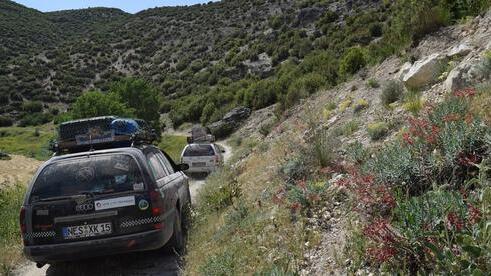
200, 134
101, 133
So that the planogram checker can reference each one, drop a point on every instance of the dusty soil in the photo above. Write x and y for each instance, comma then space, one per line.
17, 170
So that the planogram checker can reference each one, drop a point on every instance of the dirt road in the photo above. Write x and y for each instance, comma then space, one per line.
140, 263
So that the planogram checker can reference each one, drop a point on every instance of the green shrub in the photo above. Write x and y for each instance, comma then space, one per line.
32, 107
377, 131
413, 102
222, 264
356, 153
5, 121
96, 103
444, 232
323, 148
219, 191
373, 83
485, 65
35, 119
352, 61
437, 148
392, 92
141, 97
360, 105
11, 199
349, 128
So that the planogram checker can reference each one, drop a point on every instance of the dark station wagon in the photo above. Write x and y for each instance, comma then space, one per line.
105, 202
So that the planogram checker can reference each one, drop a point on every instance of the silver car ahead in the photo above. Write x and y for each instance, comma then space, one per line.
202, 157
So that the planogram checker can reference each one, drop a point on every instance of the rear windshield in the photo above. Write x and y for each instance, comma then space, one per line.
93, 174
199, 150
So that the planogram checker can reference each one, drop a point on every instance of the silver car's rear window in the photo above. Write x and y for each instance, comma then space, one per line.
199, 150
88, 174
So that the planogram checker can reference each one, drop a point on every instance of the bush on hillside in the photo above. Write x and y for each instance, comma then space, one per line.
32, 107
440, 147
142, 98
352, 61
35, 119
5, 121
377, 130
392, 92
96, 103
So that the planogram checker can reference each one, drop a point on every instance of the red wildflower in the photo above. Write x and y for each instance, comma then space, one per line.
343, 182
468, 160
380, 231
302, 184
279, 196
467, 92
453, 220
314, 197
382, 254
407, 138
326, 170
451, 117
474, 214
295, 206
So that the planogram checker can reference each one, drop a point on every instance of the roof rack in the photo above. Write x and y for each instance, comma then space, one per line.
102, 133
200, 134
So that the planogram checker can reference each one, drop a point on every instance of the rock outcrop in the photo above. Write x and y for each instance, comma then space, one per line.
424, 72
229, 122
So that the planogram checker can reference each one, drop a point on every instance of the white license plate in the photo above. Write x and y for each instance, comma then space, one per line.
88, 230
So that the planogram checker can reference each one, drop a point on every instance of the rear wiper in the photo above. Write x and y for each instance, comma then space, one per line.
55, 198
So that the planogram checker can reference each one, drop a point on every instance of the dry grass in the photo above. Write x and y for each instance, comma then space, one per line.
482, 102
253, 234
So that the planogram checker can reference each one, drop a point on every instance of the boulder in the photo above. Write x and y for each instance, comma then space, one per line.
229, 122
237, 114
459, 50
457, 78
404, 70
424, 72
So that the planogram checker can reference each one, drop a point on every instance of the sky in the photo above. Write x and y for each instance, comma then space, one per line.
131, 6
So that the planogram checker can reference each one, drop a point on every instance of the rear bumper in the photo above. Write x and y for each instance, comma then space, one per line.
87, 249
201, 169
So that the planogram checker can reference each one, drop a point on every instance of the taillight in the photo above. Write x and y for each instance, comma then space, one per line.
157, 207
22, 219
217, 159
157, 204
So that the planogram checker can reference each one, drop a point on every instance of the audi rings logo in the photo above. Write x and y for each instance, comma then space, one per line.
84, 207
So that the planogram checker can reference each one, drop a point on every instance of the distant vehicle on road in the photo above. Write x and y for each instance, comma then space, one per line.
124, 196
202, 157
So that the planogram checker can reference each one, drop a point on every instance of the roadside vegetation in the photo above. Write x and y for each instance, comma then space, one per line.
423, 200
173, 145
11, 198
28, 141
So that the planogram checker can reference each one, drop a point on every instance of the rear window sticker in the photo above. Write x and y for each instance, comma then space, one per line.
122, 167
138, 187
85, 175
120, 179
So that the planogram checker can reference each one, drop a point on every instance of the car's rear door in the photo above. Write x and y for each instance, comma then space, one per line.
179, 179
88, 198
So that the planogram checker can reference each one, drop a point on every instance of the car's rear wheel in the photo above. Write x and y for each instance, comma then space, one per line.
177, 241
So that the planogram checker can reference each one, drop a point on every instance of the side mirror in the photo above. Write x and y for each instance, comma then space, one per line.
183, 167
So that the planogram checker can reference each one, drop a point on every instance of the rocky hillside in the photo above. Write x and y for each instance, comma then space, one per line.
386, 173
193, 54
